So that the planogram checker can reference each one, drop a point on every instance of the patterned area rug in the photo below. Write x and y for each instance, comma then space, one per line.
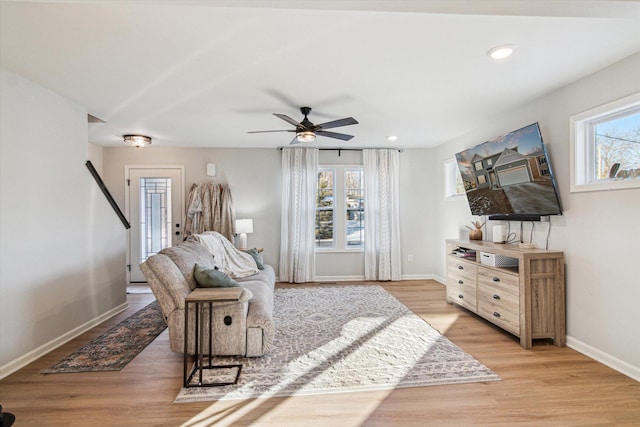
344, 339
115, 348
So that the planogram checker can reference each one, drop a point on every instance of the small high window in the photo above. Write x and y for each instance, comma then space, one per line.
606, 146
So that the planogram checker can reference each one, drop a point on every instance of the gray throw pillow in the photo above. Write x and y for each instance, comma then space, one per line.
208, 278
256, 257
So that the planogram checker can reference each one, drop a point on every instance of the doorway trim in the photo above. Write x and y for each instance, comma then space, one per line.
127, 194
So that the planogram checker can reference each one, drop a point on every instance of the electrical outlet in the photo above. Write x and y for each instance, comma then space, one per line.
410, 258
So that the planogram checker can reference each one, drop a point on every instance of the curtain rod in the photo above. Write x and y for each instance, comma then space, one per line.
400, 150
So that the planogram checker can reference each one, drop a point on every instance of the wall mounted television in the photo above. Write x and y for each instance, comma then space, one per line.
510, 177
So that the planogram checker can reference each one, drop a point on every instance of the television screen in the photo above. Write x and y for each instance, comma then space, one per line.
509, 177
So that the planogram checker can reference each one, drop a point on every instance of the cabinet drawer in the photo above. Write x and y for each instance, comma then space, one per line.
462, 295
499, 307
459, 268
461, 280
498, 279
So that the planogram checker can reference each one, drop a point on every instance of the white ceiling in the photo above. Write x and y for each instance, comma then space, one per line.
203, 73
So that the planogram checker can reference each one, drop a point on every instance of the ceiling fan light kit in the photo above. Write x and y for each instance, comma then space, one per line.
137, 141
306, 136
307, 131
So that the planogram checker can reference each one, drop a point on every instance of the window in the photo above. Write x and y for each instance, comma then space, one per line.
606, 146
340, 208
354, 189
543, 166
453, 185
325, 208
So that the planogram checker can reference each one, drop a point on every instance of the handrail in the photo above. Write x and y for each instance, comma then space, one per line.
107, 194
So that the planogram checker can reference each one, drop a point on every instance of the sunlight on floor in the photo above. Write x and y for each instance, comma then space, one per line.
369, 337
443, 322
320, 411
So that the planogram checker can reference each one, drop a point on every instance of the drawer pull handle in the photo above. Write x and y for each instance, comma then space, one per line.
495, 313
496, 279
496, 296
461, 296
460, 282
460, 267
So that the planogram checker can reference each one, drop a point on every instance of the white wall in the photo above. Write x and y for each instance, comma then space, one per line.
253, 175
598, 231
60, 238
62, 248
419, 190
255, 179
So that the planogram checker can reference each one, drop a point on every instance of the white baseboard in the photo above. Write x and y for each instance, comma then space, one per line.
35, 354
338, 279
362, 279
417, 277
442, 280
604, 358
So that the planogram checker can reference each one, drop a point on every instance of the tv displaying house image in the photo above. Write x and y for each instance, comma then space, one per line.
510, 175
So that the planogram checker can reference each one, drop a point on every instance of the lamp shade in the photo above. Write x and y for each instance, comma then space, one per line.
244, 226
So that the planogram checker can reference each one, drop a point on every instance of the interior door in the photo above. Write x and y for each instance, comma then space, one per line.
156, 206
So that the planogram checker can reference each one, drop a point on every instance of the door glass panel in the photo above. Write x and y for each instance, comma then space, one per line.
155, 216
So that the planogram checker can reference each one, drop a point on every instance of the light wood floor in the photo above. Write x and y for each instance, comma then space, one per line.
545, 386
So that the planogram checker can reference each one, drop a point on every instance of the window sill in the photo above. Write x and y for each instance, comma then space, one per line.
335, 250
606, 186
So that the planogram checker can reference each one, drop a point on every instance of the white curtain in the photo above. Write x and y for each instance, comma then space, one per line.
299, 183
382, 258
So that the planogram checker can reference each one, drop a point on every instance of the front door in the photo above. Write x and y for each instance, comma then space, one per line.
155, 211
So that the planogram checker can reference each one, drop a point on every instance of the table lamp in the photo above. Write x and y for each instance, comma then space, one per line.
244, 226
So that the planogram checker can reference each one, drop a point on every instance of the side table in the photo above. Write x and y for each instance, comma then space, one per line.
201, 298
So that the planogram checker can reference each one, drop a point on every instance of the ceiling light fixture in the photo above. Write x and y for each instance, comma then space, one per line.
392, 138
137, 140
502, 51
306, 136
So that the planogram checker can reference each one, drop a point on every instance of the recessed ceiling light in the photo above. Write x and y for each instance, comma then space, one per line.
392, 138
502, 51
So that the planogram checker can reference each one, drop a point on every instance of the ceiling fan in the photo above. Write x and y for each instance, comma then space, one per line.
307, 131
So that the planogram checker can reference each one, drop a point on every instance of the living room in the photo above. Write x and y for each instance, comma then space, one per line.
64, 250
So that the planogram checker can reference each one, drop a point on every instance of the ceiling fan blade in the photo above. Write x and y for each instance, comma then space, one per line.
294, 141
337, 123
265, 131
287, 119
342, 136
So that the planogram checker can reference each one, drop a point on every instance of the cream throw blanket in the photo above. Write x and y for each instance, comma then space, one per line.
233, 262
